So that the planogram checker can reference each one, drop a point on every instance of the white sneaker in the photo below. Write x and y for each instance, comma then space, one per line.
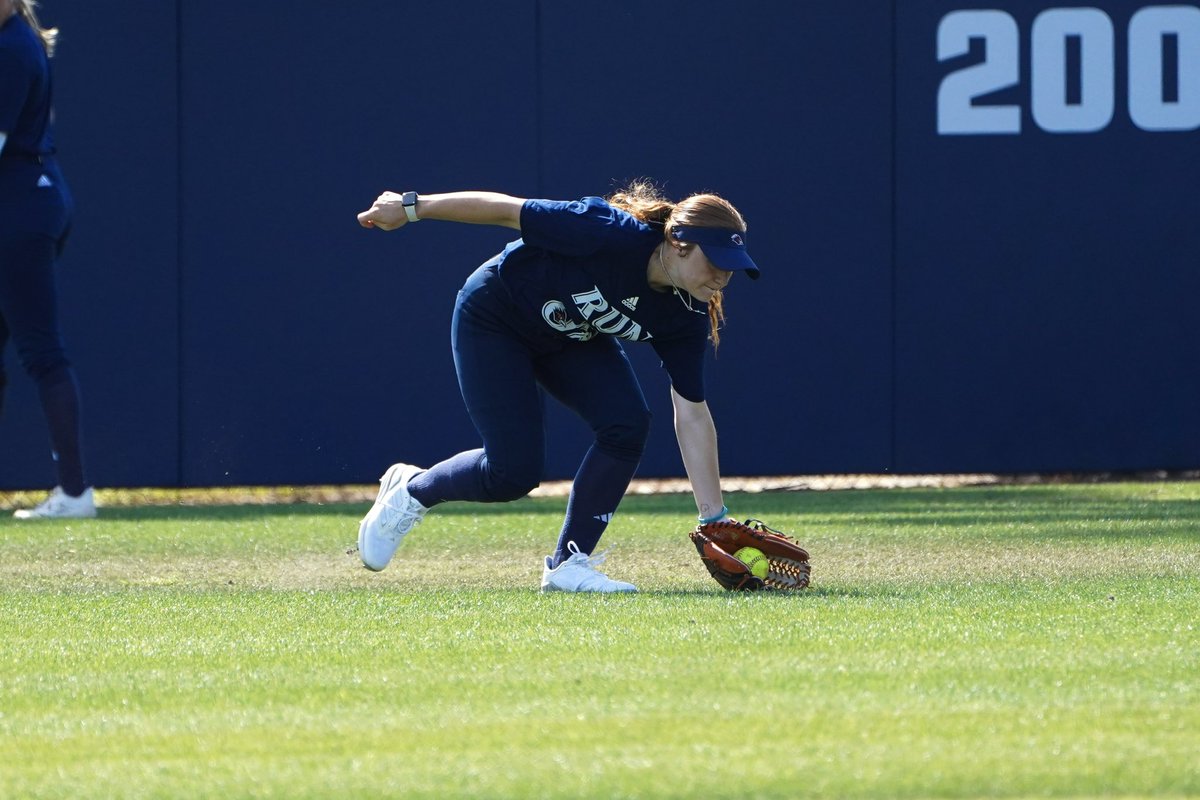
60, 505
394, 514
579, 574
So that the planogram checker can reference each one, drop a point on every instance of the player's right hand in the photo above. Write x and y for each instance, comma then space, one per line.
386, 214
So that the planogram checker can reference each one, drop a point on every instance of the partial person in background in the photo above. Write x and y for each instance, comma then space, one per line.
35, 215
550, 313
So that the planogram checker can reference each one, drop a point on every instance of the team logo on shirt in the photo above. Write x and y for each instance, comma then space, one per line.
598, 315
556, 316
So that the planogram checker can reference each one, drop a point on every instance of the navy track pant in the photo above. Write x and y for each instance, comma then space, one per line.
35, 216
503, 372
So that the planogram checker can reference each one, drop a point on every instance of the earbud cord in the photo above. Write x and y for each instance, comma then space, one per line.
686, 303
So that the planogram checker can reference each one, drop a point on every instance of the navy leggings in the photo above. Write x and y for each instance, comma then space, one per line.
34, 223
503, 372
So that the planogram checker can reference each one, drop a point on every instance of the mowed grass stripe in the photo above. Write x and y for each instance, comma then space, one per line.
966, 657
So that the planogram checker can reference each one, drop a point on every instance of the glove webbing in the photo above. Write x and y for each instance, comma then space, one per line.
782, 573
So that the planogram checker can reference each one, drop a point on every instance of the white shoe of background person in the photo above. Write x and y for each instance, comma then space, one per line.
579, 574
60, 505
394, 514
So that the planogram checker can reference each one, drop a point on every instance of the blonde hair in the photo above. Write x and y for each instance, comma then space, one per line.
49, 35
644, 200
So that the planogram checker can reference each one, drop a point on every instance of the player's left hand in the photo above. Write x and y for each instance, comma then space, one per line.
716, 542
387, 214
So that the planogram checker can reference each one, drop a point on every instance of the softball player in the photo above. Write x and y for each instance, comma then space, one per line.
35, 214
550, 311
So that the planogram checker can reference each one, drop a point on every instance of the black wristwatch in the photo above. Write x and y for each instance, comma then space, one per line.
409, 199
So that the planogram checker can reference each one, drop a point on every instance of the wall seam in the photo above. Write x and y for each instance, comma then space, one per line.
538, 104
893, 466
179, 249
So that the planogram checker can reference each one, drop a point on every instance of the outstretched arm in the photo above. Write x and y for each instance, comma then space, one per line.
480, 208
697, 437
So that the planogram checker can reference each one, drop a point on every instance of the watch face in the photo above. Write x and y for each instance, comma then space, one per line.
409, 200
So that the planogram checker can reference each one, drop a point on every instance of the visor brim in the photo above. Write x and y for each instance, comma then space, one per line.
731, 260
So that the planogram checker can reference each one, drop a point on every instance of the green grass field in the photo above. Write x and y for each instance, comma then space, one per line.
1034, 641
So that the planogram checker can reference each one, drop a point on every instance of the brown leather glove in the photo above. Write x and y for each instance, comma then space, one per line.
716, 542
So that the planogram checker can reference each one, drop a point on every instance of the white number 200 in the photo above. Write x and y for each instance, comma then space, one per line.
1054, 108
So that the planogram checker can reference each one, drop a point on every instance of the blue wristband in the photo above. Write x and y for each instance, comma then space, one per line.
722, 515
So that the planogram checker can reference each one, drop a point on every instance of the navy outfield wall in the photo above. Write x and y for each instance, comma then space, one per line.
976, 223
1047, 248
117, 113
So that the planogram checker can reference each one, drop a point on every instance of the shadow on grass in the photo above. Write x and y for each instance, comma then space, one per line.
232, 513
775, 596
1033, 511
354, 510
1026, 512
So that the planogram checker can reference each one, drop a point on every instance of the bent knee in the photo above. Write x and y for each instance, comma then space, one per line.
627, 437
511, 482
49, 371
42, 360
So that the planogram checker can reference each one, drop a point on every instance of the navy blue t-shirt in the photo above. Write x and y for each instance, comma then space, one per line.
25, 90
579, 270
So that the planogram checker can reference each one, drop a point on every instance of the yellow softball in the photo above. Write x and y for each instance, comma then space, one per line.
755, 559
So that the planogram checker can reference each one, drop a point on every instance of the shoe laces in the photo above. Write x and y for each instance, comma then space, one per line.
398, 519
59, 504
55, 502
588, 561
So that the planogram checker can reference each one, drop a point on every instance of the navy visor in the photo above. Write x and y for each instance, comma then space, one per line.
725, 248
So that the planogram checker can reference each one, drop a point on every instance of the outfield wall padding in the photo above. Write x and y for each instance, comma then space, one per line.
977, 224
